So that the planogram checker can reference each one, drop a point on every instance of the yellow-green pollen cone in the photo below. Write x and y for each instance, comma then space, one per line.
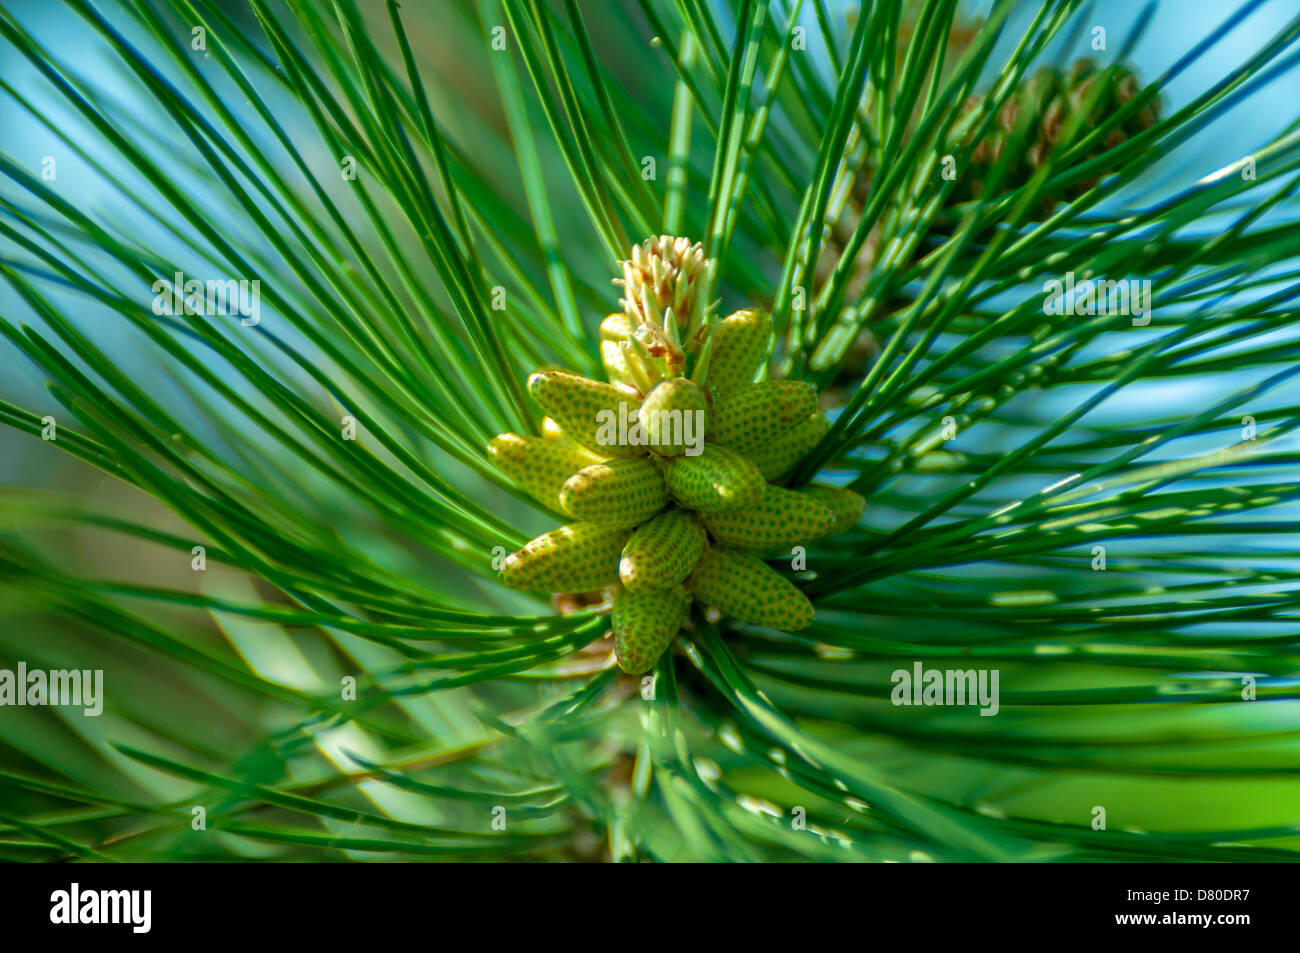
669, 470
674, 417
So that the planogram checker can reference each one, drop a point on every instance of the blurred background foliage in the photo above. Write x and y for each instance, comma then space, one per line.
523, 168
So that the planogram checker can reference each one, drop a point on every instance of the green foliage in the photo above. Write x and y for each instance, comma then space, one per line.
997, 445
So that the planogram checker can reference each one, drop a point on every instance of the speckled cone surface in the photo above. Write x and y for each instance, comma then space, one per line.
662, 552
573, 558
845, 505
757, 414
775, 460
716, 480
576, 402
621, 492
742, 585
537, 465
644, 623
779, 519
664, 416
614, 330
739, 347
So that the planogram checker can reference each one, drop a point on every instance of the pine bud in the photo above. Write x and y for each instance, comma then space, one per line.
753, 416
718, 479
644, 624
674, 417
573, 558
551, 430
615, 331
739, 349
536, 465
744, 587
662, 552
780, 519
775, 460
622, 492
579, 405
664, 274
846, 505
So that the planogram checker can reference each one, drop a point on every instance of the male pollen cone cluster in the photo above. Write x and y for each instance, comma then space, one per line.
1037, 116
671, 470
1050, 111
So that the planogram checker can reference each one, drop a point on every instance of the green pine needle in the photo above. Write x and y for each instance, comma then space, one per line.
279, 540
